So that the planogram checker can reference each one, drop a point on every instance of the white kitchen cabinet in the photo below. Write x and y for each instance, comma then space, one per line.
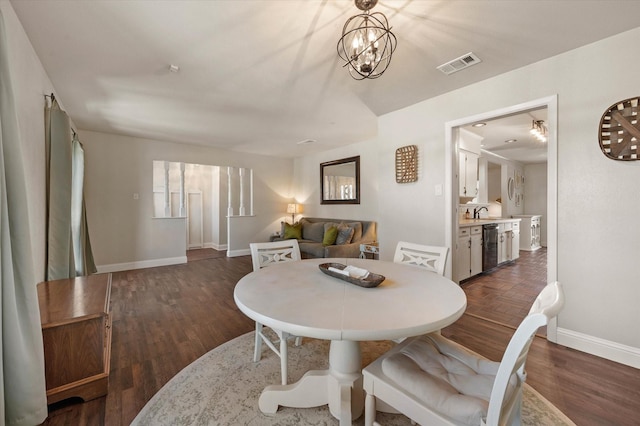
515, 240
504, 242
469, 252
463, 255
476, 250
529, 232
468, 173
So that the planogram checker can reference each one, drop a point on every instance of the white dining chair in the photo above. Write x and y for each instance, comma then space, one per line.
433, 258
435, 381
263, 255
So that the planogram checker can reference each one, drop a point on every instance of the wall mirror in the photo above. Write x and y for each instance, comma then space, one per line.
340, 181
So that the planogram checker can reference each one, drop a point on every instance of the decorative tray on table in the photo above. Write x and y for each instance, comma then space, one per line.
369, 280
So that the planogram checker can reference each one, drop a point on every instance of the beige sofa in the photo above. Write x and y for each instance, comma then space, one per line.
313, 230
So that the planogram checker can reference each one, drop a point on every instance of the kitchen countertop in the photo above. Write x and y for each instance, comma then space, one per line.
486, 220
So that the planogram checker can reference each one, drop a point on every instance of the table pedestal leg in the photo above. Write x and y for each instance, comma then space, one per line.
340, 386
346, 397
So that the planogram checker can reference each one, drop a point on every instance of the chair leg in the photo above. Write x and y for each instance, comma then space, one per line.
369, 410
257, 351
283, 357
298, 340
517, 414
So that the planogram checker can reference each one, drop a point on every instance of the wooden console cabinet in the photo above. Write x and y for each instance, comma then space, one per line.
76, 330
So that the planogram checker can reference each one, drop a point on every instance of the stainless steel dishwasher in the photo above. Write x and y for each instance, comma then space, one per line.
489, 246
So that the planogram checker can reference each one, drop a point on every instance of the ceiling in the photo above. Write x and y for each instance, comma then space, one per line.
261, 76
510, 136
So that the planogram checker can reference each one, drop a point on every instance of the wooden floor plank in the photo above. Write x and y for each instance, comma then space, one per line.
505, 294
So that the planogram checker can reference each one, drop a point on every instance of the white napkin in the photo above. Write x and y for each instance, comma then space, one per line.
339, 271
351, 271
355, 272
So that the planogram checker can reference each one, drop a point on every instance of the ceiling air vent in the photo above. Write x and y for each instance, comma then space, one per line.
460, 63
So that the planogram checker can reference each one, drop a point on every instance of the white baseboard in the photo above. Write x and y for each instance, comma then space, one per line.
116, 267
613, 351
235, 253
219, 247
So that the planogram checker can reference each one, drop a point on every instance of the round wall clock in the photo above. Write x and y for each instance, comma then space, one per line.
619, 131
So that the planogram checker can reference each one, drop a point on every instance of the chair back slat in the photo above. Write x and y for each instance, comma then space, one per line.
270, 253
433, 258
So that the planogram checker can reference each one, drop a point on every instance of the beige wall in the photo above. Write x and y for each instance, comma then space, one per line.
597, 198
121, 229
123, 232
535, 190
597, 259
307, 183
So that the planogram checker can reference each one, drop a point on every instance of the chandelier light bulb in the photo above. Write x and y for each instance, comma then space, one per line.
538, 130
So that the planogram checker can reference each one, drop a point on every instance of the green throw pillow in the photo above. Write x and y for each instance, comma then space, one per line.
292, 231
330, 236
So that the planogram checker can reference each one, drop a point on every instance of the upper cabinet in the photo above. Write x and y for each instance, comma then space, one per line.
468, 163
469, 153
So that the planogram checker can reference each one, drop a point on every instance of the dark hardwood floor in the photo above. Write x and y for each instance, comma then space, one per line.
164, 318
505, 294
195, 255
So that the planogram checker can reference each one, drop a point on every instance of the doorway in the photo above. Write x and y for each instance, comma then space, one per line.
453, 202
194, 220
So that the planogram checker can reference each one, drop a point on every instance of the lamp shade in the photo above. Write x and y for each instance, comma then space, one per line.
294, 208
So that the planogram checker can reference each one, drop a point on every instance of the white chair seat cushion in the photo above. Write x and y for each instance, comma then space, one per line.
445, 376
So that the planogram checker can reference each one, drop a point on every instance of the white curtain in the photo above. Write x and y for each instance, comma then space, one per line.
68, 246
23, 399
82, 254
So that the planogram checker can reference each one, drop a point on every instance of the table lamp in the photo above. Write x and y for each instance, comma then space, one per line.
293, 210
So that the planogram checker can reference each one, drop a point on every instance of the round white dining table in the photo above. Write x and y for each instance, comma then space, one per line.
297, 297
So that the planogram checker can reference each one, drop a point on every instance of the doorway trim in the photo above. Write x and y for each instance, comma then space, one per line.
451, 182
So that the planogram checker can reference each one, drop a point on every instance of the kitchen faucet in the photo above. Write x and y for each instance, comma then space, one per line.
477, 210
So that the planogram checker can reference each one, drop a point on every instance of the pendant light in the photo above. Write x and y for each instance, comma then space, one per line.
367, 42
539, 130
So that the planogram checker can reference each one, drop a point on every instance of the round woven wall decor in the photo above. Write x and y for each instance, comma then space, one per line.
619, 131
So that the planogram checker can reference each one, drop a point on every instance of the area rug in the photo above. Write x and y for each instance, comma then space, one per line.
223, 386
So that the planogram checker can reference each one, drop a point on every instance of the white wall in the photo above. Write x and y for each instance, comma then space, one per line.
30, 84
306, 188
413, 212
219, 208
597, 261
121, 227
494, 184
510, 205
535, 190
